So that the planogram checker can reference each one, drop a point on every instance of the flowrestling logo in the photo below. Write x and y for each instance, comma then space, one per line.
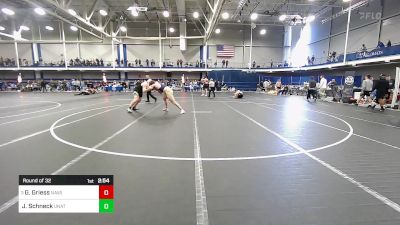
370, 15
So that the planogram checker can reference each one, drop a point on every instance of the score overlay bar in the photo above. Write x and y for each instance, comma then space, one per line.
66, 194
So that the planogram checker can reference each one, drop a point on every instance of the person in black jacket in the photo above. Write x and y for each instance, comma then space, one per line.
382, 89
312, 89
43, 86
333, 85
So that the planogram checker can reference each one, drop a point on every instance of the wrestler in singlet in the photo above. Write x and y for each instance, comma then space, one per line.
167, 92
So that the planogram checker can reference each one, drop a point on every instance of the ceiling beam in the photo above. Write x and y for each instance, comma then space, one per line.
92, 10
66, 3
52, 13
201, 10
84, 21
214, 18
209, 5
13, 37
181, 8
195, 24
158, 38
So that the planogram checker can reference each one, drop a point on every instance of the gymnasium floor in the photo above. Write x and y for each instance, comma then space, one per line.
265, 160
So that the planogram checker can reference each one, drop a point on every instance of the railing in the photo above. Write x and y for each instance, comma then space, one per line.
211, 64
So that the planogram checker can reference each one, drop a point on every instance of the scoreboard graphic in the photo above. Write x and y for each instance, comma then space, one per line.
66, 194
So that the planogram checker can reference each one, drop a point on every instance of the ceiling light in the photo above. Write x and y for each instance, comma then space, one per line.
196, 15
253, 16
171, 29
346, 0
49, 28
40, 11
2, 28
310, 19
165, 13
217, 31
282, 18
122, 28
225, 15
263, 31
74, 28
72, 12
103, 12
25, 28
8, 11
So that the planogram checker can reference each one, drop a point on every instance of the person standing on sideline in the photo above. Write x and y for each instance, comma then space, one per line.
389, 44
382, 89
367, 86
265, 85
43, 86
322, 86
205, 83
380, 45
212, 88
217, 85
363, 48
333, 85
148, 94
312, 89
278, 86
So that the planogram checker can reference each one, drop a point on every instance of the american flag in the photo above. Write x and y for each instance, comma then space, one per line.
225, 51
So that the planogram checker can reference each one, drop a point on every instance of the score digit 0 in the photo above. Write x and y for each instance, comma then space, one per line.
106, 192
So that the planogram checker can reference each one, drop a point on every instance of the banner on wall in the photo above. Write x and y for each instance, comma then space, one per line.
388, 51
